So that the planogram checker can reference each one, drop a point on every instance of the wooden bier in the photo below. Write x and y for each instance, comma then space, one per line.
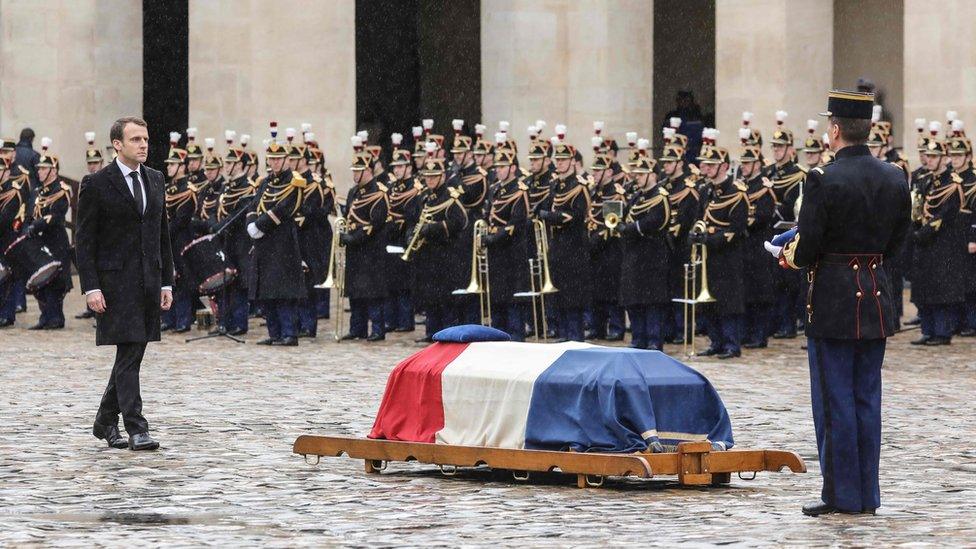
694, 463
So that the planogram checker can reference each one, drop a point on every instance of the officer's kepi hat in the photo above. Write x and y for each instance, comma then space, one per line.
848, 104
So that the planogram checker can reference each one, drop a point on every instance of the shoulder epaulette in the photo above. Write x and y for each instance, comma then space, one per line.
418, 185
819, 170
522, 186
956, 178
802, 168
693, 169
65, 186
382, 187
455, 192
16, 184
525, 173
316, 178
767, 183
297, 180
482, 171
662, 191
739, 184
254, 182
619, 189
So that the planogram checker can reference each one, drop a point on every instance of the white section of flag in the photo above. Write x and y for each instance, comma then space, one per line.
487, 390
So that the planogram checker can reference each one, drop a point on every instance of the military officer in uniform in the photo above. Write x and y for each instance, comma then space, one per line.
50, 208
238, 193
760, 269
681, 183
938, 289
787, 177
314, 235
405, 202
722, 230
442, 221
181, 204
961, 158
208, 195
14, 196
567, 214
646, 239
194, 160
275, 276
507, 244
855, 214
471, 180
93, 162
367, 206
607, 320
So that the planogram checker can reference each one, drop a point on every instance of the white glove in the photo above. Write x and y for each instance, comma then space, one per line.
774, 251
253, 230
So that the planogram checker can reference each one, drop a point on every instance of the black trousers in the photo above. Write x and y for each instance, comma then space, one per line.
122, 394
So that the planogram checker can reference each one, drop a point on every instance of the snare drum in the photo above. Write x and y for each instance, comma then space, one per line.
207, 265
31, 259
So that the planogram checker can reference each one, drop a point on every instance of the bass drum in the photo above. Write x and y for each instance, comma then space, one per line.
31, 259
207, 265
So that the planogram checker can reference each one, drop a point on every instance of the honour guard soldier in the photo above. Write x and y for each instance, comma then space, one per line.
940, 249
507, 245
311, 236
238, 194
93, 162
813, 147
275, 276
723, 230
843, 240
760, 269
405, 198
607, 320
471, 180
419, 148
961, 157
194, 160
14, 197
367, 206
483, 152
181, 203
917, 182
433, 249
208, 195
50, 208
567, 214
681, 182
20, 176
316, 162
646, 237
787, 177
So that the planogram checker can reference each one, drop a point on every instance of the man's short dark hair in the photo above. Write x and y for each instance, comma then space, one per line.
27, 135
119, 126
853, 131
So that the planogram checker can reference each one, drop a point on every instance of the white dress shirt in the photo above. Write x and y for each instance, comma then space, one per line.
142, 189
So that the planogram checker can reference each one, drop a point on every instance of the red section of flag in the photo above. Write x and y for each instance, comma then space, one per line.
412, 408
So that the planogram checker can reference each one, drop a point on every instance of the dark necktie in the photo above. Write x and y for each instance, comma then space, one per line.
137, 191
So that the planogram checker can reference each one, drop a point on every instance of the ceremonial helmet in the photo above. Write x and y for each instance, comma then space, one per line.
433, 166
46, 159
934, 144
361, 161
959, 143
601, 161
751, 151
644, 164
538, 149
7, 144
504, 157
755, 136
782, 135
192, 149
710, 152
400, 156
812, 143
92, 154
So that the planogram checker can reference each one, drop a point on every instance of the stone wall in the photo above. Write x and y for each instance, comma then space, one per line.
569, 62
67, 67
290, 61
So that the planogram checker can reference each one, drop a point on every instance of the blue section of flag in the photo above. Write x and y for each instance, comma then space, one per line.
605, 399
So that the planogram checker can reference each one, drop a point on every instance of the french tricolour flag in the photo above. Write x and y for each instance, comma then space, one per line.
548, 396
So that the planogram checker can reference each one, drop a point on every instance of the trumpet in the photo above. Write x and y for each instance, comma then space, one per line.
336, 277
540, 279
480, 283
415, 240
689, 299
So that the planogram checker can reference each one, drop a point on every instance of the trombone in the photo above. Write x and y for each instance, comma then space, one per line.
689, 300
540, 280
336, 277
479, 284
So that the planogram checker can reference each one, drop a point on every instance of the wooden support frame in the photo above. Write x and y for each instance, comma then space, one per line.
695, 463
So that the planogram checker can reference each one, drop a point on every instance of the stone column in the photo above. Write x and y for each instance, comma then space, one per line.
290, 61
569, 62
940, 64
771, 55
67, 67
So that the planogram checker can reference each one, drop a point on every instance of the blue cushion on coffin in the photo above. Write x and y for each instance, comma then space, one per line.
466, 333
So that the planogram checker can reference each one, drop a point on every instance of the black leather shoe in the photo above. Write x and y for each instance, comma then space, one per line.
85, 314
37, 326
922, 340
376, 337
969, 332
111, 435
349, 337
729, 354
709, 352
54, 327
678, 340
914, 322
21, 309
237, 332
933, 341
784, 335
423, 340
182, 330
821, 508
614, 337
6, 323
286, 342
404, 330
165, 327
267, 341
142, 441
305, 333
755, 345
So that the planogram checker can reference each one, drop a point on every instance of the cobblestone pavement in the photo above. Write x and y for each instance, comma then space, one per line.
227, 414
